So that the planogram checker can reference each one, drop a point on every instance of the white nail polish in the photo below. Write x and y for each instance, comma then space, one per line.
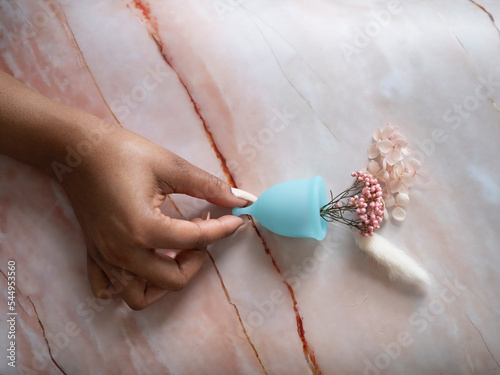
243, 194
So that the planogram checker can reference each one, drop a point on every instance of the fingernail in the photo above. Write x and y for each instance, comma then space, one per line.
205, 215
238, 193
232, 220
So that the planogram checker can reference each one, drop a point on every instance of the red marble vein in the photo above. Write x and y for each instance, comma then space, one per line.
152, 25
488, 14
308, 352
228, 297
45, 338
153, 31
482, 338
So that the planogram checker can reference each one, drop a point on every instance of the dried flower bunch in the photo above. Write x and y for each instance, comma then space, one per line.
364, 198
385, 183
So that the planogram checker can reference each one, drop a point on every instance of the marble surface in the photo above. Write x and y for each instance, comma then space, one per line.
257, 93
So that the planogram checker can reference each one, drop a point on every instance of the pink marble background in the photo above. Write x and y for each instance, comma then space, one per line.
258, 93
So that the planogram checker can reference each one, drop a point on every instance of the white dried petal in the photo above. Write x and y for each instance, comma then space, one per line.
402, 188
422, 178
408, 150
389, 201
373, 167
407, 179
393, 186
373, 151
385, 146
388, 131
414, 164
402, 199
386, 175
398, 213
394, 156
384, 164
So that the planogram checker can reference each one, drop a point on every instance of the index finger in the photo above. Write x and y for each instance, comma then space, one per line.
179, 176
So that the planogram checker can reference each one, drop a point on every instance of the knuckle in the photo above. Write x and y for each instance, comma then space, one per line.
137, 238
95, 291
103, 294
178, 285
111, 254
181, 168
137, 304
214, 186
180, 164
200, 241
108, 251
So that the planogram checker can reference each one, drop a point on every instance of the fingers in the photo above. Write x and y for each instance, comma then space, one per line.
135, 291
168, 233
174, 273
163, 271
144, 276
141, 276
250, 198
183, 177
99, 281
108, 281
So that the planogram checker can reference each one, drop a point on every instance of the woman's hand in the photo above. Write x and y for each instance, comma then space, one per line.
116, 182
117, 192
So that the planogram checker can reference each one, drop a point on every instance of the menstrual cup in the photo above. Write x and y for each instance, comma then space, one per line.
291, 208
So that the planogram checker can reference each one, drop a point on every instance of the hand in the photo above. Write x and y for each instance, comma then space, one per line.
116, 193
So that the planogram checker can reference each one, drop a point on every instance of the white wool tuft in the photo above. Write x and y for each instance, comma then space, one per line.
399, 265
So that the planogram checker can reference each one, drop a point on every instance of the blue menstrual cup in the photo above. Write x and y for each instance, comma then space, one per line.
291, 208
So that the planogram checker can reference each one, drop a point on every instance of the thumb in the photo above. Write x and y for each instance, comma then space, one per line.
168, 233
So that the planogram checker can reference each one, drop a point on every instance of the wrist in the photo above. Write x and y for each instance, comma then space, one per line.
74, 151
43, 133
